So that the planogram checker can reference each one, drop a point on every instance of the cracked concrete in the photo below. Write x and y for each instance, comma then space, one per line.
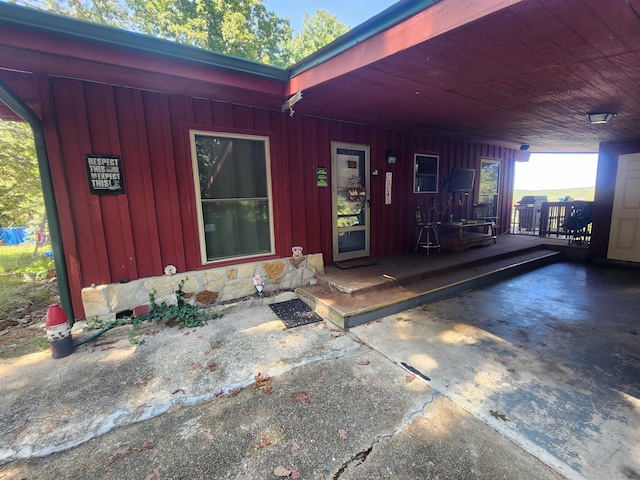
186, 404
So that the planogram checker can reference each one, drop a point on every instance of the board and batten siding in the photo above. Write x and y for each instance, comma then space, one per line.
119, 238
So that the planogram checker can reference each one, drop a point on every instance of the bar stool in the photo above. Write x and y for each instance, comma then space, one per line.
427, 229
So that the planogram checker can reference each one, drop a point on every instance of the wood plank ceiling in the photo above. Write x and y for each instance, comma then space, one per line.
528, 74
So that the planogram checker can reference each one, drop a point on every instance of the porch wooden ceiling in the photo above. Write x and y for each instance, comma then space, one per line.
527, 74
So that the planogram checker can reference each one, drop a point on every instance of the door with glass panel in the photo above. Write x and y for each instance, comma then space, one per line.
350, 189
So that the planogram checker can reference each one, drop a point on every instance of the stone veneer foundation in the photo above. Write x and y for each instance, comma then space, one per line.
218, 284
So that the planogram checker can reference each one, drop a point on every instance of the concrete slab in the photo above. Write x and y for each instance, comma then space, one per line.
190, 404
550, 359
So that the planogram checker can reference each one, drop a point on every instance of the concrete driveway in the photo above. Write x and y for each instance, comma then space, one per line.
550, 359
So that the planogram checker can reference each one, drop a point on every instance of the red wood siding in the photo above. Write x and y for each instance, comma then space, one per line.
114, 238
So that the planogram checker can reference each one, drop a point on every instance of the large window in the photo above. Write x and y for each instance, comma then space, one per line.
232, 181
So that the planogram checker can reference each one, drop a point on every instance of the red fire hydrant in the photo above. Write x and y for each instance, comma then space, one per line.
58, 332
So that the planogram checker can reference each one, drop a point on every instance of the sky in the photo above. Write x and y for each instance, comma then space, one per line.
351, 12
552, 170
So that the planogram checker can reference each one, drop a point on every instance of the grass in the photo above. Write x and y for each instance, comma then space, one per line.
13, 257
17, 295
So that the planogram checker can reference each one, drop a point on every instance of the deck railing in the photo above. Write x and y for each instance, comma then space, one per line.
554, 216
549, 219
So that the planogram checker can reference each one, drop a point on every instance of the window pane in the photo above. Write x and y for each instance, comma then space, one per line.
231, 167
236, 228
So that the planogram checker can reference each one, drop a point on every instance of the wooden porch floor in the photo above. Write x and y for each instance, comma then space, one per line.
388, 285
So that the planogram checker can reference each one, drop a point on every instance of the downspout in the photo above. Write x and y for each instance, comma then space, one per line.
15, 103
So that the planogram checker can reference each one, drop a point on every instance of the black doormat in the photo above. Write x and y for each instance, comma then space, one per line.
295, 313
355, 263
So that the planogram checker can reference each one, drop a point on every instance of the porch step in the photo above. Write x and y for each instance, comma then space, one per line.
349, 305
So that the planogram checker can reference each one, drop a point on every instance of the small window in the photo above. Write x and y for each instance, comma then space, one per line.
426, 169
232, 183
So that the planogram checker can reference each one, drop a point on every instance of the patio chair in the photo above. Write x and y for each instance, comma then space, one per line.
486, 213
428, 230
578, 223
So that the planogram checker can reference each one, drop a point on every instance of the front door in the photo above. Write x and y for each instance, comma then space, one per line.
624, 237
350, 189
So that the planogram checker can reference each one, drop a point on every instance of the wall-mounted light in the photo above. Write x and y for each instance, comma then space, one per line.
391, 157
600, 117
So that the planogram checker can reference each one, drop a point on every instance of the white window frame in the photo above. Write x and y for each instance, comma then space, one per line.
198, 197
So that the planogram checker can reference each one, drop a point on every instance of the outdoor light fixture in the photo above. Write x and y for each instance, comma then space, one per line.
391, 157
599, 118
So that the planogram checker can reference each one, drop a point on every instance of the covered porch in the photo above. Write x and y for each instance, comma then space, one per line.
359, 291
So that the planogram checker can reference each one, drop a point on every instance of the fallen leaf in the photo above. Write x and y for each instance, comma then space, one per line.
501, 416
409, 378
339, 330
107, 347
174, 408
336, 335
263, 442
234, 392
300, 397
263, 382
120, 452
364, 362
280, 471
295, 473
178, 390
511, 370
266, 389
154, 475
343, 433
212, 366
517, 345
207, 434
148, 445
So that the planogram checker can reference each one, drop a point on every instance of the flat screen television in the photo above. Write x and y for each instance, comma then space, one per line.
462, 180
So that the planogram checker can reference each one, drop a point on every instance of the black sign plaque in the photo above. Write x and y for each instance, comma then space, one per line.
105, 173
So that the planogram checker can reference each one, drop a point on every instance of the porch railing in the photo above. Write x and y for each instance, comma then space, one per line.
554, 216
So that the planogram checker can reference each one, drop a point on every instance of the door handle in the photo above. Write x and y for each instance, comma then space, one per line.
368, 202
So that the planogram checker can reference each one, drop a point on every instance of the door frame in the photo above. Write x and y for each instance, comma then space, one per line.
337, 255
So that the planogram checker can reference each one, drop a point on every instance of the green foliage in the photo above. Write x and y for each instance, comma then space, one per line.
183, 313
317, 32
21, 201
38, 269
243, 28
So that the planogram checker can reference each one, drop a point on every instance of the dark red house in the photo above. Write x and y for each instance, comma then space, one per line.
155, 154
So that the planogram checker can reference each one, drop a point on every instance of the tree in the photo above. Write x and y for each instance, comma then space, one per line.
317, 31
243, 28
21, 201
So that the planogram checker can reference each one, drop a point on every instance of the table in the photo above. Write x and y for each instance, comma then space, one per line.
458, 236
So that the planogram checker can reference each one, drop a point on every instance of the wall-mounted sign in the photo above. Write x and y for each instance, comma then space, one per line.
322, 178
105, 173
387, 188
